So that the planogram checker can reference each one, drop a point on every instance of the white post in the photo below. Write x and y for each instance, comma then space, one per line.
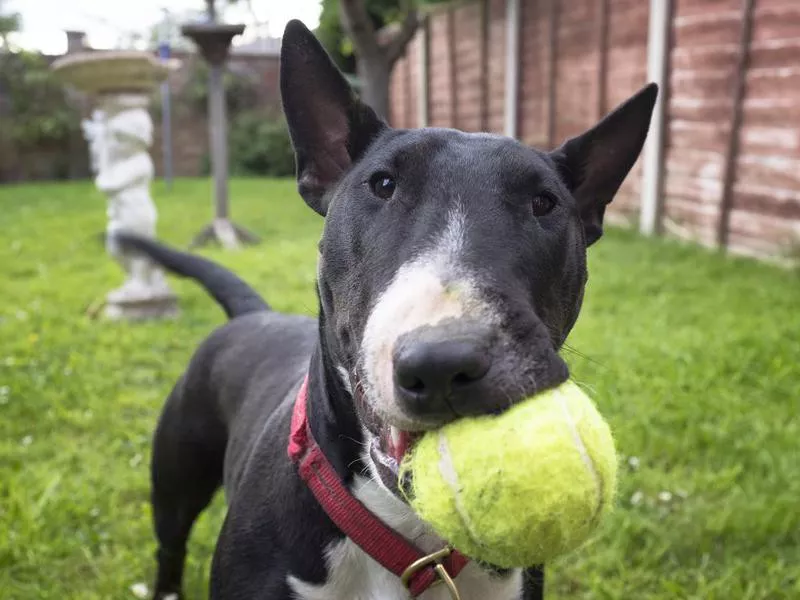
422, 84
652, 173
512, 67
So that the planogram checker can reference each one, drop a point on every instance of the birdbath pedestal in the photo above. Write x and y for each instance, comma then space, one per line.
120, 134
214, 42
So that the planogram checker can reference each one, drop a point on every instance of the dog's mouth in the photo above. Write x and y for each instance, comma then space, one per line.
387, 450
387, 444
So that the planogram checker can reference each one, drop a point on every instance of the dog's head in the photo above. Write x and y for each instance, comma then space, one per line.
452, 265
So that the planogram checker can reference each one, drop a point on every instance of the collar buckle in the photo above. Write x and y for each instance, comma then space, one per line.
434, 559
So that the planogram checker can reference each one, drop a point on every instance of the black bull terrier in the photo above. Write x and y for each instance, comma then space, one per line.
451, 269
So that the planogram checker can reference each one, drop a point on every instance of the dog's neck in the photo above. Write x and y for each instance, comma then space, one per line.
331, 412
336, 428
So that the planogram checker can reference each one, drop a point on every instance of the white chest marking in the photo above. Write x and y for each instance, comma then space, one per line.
353, 575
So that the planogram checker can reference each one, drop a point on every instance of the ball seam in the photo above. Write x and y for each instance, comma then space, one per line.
450, 475
584, 453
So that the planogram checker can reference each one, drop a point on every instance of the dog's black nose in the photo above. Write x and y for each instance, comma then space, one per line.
438, 370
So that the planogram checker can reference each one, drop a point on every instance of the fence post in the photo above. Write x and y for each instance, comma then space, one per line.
484, 57
422, 84
732, 151
657, 71
602, 58
512, 67
408, 84
552, 73
451, 64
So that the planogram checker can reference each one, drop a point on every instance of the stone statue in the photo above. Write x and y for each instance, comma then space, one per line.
94, 132
120, 133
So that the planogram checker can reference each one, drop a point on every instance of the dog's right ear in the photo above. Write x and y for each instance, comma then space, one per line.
329, 126
595, 163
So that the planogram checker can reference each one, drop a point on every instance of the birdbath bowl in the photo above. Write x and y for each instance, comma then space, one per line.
213, 39
120, 134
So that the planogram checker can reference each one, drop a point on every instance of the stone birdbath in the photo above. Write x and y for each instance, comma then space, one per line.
120, 134
213, 40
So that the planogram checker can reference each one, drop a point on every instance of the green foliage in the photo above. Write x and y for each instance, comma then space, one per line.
258, 139
332, 36
240, 90
260, 145
692, 359
38, 122
9, 23
37, 111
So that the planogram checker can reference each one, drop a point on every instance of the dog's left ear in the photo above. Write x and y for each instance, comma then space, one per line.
329, 126
595, 163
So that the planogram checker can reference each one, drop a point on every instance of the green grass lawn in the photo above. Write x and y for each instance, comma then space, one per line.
694, 359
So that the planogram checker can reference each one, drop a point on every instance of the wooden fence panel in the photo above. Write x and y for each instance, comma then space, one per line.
731, 168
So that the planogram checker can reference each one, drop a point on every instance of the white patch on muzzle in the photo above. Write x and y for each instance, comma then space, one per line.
425, 291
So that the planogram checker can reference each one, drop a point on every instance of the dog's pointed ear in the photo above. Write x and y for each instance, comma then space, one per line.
329, 126
595, 163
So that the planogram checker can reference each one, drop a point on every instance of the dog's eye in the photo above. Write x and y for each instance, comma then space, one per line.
382, 185
543, 204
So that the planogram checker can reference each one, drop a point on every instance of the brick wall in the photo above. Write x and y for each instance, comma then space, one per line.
189, 126
580, 58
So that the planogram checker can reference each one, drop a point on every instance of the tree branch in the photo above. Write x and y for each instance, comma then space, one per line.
358, 25
398, 44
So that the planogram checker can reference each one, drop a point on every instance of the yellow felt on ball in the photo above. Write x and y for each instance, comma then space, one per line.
519, 488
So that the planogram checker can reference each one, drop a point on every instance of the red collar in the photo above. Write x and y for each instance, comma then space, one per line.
417, 570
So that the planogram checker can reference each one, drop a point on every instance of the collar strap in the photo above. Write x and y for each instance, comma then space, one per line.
415, 569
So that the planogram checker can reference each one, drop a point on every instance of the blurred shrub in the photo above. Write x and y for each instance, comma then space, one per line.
36, 109
260, 145
38, 122
241, 89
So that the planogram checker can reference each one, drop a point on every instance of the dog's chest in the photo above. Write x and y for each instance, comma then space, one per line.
352, 575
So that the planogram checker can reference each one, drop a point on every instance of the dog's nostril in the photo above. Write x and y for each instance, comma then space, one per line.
464, 378
410, 383
430, 371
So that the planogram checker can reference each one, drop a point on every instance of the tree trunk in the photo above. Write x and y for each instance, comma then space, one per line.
375, 57
374, 74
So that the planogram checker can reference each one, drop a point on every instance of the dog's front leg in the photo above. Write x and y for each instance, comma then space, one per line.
246, 566
274, 531
533, 584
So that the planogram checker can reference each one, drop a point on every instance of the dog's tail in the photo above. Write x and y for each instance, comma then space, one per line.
234, 295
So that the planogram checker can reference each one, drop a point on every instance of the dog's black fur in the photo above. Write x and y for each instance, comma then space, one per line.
386, 194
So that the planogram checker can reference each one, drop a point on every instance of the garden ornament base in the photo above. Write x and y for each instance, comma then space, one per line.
120, 134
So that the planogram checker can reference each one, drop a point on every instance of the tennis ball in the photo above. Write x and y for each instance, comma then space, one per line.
519, 488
